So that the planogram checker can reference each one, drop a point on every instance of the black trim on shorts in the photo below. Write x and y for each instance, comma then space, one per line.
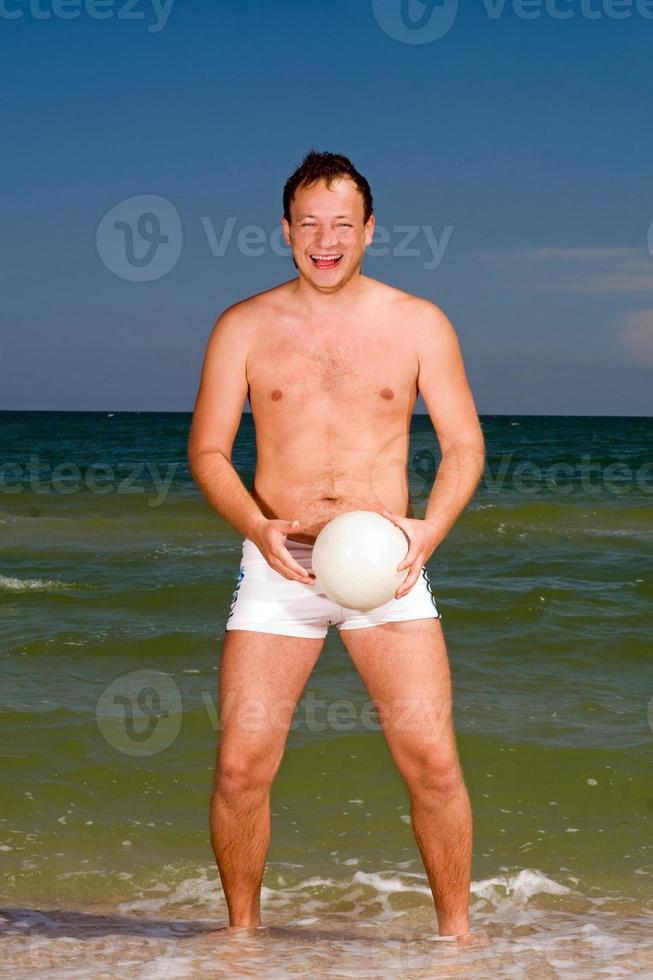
239, 579
426, 578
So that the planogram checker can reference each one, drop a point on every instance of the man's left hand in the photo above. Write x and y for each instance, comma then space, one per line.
423, 542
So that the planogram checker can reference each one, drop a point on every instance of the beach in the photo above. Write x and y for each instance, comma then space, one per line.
115, 584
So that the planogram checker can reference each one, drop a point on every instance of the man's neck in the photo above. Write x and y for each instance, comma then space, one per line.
319, 304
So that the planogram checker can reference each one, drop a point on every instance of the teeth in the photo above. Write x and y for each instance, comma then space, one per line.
325, 258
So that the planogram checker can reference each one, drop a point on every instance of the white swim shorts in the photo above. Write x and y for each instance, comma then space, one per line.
267, 602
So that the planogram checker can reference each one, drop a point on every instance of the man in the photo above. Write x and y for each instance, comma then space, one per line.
332, 362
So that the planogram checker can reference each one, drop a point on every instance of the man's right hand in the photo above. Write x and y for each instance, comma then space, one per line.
269, 536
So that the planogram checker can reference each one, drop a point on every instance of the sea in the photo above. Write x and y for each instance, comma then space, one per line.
116, 578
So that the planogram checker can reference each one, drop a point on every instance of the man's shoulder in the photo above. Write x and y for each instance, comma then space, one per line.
249, 309
244, 315
413, 309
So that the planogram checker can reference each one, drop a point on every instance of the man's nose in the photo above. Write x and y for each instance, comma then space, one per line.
326, 238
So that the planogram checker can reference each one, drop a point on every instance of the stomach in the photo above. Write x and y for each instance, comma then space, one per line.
317, 476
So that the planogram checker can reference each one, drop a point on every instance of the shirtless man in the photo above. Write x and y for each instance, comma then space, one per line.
332, 362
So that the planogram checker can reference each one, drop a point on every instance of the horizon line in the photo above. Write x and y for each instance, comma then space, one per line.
163, 411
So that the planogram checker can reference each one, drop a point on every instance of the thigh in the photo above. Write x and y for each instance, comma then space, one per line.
405, 668
262, 676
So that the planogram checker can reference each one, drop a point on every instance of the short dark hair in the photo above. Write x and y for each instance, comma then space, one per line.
328, 167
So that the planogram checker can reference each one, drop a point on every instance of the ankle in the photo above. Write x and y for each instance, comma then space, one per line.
245, 916
245, 920
453, 927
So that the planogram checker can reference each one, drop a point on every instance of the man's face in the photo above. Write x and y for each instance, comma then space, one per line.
327, 234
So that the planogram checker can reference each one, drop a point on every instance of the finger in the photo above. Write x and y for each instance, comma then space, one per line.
411, 558
410, 580
283, 569
292, 563
406, 586
288, 562
289, 527
403, 523
284, 528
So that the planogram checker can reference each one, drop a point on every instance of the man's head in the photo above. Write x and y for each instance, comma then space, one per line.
328, 220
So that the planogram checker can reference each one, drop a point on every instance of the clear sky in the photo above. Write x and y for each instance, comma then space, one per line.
508, 146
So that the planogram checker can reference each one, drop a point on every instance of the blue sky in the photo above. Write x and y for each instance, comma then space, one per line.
514, 150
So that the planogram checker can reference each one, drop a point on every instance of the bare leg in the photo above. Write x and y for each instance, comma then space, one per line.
406, 671
262, 676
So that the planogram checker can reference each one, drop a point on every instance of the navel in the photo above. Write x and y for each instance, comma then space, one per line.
276, 395
387, 393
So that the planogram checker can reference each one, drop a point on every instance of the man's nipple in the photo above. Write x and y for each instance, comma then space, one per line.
276, 395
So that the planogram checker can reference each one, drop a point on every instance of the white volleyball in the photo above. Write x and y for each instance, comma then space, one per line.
355, 558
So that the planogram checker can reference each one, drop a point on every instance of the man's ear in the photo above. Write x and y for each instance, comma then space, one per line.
369, 230
286, 229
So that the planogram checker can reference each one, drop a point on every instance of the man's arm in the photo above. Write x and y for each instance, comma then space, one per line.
442, 382
216, 417
218, 409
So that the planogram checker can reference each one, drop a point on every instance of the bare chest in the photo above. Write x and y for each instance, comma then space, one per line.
372, 367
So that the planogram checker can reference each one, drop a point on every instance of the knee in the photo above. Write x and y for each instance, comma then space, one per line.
243, 774
433, 775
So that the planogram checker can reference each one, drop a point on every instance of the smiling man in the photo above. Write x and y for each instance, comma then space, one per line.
332, 362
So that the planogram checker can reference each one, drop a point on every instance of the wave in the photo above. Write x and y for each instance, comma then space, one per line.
10, 584
376, 886
532, 924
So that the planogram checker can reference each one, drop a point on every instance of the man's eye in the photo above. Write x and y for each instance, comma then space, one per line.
308, 224
343, 225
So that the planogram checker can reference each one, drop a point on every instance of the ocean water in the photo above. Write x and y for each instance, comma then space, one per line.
115, 583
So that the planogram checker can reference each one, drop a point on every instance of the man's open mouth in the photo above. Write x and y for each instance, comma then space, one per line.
326, 261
